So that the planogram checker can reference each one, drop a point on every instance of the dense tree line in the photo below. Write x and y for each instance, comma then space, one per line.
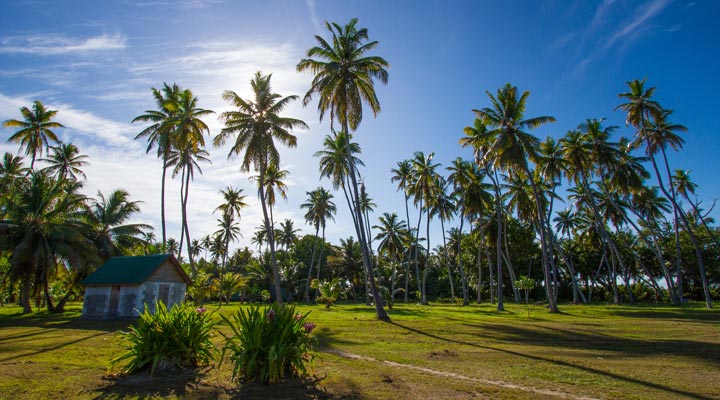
589, 216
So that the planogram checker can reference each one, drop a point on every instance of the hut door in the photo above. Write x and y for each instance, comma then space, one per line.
114, 300
164, 294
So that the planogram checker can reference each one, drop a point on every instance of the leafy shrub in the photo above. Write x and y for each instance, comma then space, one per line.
269, 343
329, 291
179, 337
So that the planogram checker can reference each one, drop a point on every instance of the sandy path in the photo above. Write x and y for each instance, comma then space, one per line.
488, 382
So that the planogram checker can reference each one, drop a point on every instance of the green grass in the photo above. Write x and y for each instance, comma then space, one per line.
618, 352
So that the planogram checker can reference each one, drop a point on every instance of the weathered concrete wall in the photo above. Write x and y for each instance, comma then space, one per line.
96, 301
132, 299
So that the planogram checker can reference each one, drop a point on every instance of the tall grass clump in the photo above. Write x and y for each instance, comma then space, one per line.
166, 339
268, 343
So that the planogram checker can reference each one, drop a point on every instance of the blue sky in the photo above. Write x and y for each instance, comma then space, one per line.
95, 62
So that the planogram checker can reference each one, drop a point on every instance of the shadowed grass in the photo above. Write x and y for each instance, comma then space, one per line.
593, 351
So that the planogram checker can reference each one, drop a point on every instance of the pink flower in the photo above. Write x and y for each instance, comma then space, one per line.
200, 310
270, 315
309, 327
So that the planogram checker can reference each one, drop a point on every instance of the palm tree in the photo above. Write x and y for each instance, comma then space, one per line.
186, 161
188, 142
257, 124
234, 202
40, 224
443, 206
228, 232
403, 176
35, 130
66, 161
287, 235
11, 170
653, 129
422, 188
344, 77
391, 236
273, 180
320, 208
161, 134
480, 138
685, 187
108, 217
513, 147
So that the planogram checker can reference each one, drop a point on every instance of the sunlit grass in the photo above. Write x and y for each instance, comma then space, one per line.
595, 351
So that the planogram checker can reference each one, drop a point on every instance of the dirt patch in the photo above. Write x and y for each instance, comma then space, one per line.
507, 385
442, 355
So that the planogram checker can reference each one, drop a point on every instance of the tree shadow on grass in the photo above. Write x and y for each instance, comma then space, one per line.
189, 385
50, 348
67, 320
527, 338
681, 315
182, 384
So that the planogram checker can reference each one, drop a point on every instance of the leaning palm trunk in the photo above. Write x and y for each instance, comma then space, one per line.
447, 261
498, 242
417, 247
381, 314
162, 198
312, 262
543, 240
693, 237
271, 239
185, 219
407, 267
463, 279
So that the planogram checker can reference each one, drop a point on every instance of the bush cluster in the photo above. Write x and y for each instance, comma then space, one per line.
179, 338
268, 343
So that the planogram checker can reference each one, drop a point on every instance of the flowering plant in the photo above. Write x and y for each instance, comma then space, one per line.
269, 344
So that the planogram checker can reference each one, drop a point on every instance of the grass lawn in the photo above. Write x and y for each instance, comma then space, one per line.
438, 351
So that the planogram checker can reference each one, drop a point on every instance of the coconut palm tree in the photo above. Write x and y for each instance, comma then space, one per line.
391, 234
273, 181
656, 133
160, 134
187, 149
421, 189
344, 77
66, 162
287, 234
229, 232
41, 224
320, 208
186, 161
256, 124
480, 139
443, 206
685, 187
11, 171
403, 176
513, 148
35, 131
108, 217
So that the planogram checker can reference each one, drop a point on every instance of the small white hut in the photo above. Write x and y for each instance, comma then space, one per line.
122, 286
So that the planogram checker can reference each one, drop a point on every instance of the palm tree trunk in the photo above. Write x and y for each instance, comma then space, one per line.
447, 262
417, 248
463, 279
427, 259
25, 295
319, 260
312, 262
407, 267
185, 219
162, 199
693, 238
509, 265
271, 237
498, 241
381, 313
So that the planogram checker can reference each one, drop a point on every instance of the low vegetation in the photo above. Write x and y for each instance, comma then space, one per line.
437, 351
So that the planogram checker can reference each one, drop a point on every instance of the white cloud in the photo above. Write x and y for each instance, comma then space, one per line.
57, 44
643, 15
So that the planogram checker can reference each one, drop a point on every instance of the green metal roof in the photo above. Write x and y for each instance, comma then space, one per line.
132, 270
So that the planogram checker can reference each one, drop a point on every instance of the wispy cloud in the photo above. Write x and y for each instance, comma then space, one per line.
44, 45
313, 14
643, 15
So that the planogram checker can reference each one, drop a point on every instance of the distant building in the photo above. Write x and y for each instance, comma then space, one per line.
122, 287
